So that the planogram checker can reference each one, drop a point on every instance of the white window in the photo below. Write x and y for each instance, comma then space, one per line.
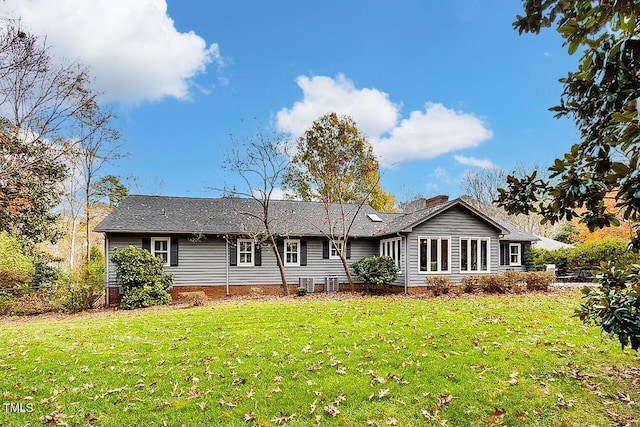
245, 252
474, 255
335, 250
160, 248
434, 254
392, 248
514, 254
292, 252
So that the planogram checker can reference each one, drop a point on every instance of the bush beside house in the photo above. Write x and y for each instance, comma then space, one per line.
376, 272
142, 278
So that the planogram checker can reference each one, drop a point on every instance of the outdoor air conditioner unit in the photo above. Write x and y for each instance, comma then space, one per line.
307, 283
331, 284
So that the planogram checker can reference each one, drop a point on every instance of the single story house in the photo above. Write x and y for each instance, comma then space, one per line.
214, 244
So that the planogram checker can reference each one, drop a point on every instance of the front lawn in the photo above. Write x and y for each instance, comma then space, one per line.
515, 360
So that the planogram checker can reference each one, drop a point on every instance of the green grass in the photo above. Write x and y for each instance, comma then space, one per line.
517, 360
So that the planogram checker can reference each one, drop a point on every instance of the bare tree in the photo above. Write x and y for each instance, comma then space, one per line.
99, 144
481, 191
261, 163
47, 111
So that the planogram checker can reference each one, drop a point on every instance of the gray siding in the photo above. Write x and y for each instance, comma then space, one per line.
206, 262
454, 223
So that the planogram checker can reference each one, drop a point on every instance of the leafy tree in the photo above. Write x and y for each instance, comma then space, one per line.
334, 163
111, 190
566, 233
602, 98
31, 172
48, 111
12, 256
94, 269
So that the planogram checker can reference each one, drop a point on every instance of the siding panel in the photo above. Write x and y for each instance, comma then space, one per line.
455, 223
205, 262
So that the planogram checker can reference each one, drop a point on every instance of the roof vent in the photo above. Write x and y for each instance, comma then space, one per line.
374, 217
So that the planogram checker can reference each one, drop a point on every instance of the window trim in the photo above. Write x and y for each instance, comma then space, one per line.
153, 248
397, 241
253, 253
479, 255
519, 262
439, 262
336, 247
297, 252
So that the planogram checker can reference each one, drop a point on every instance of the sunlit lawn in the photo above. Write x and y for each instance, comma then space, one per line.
515, 360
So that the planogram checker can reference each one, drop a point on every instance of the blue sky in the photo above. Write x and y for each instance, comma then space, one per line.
441, 88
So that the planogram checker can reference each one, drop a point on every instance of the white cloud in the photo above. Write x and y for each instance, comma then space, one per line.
429, 134
472, 161
277, 194
371, 109
424, 135
132, 47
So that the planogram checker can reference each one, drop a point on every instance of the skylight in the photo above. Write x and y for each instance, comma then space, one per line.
374, 217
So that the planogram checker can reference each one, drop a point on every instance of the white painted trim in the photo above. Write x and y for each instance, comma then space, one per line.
479, 240
338, 247
253, 253
292, 264
519, 246
439, 262
153, 248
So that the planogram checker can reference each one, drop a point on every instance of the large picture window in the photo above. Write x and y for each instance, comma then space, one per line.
245, 252
434, 254
392, 248
474, 255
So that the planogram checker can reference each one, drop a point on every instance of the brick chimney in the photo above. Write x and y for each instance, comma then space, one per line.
436, 201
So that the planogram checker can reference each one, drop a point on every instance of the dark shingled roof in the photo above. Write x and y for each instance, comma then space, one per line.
233, 216
186, 215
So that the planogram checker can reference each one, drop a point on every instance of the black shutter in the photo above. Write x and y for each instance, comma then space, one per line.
174, 252
280, 245
146, 243
257, 253
303, 252
325, 249
233, 252
348, 250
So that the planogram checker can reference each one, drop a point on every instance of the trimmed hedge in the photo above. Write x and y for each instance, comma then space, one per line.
506, 282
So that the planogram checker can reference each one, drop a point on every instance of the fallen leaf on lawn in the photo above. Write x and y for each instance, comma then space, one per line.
392, 422
498, 413
340, 398
331, 409
249, 416
444, 400
382, 393
282, 418
227, 404
202, 405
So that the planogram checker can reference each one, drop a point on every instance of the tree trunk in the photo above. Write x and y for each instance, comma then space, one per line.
283, 276
343, 258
